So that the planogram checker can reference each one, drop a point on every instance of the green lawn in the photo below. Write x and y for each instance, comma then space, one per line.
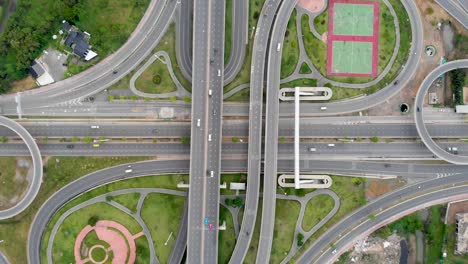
57, 174
108, 37
316, 49
300, 83
352, 196
241, 96
228, 178
321, 23
304, 69
227, 238
227, 31
62, 250
129, 200
167, 44
286, 215
316, 210
11, 186
290, 54
435, 229
145, 82
162, 214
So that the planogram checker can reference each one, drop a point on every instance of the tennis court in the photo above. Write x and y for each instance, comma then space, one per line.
353, 19
352, 57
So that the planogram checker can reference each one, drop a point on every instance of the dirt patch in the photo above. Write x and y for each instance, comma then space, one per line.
312, 5
15, 181
378, 187
456, 208
412, 248
325, 37
23, 85
432, 36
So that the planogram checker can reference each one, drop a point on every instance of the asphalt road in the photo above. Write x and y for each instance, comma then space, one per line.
36, 180
140, 44
205, 150
257, 72
309, 128
239, 32
267, 224
458, 9
182, 166
418, 114
341, 151
361, 216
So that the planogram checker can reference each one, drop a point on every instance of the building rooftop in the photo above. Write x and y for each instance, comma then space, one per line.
462, 234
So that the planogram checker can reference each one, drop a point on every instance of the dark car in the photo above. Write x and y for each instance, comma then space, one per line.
115, 72
395, 83
70, 146
417, 109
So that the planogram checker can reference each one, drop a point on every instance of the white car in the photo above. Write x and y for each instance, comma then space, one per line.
331, 145
209, 137
95, 127
334, 251
198, 122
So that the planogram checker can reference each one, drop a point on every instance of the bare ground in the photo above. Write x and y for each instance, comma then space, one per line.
455, 208
378, 187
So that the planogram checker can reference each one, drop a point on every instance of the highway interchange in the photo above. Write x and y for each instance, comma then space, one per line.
206, 153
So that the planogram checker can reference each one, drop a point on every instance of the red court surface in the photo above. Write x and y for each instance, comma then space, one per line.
121, 242
374, 39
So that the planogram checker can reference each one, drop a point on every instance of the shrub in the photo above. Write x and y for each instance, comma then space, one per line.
157, 79
93, 220
375, 139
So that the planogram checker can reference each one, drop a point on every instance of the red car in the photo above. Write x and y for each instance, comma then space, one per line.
210, 226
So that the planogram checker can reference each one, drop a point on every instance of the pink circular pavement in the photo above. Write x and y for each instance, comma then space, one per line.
312, 5
121, 242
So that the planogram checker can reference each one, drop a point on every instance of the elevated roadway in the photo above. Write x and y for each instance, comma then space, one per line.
146, 36
146, 168
418, 114
271, 131
458, 9
387, 209
239, 32
341, 151
36, 180
309, 128
205, 149
261, 41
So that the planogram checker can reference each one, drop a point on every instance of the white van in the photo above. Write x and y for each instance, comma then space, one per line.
210, 92
209, 137
331, 145
128, 170
323, 108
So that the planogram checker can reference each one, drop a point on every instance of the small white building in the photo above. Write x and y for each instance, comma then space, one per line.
40, 74
461, 109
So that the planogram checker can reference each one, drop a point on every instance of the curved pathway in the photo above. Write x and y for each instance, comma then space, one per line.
307, 234
102, 198
418, 114
3, 259
181, 92
36, 180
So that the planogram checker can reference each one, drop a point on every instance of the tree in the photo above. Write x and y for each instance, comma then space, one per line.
157, 79
3, 139
300, 238
88, 140
235, 139
375, 139
93, 220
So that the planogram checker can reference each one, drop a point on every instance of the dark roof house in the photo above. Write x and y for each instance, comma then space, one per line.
66, 26
36, 70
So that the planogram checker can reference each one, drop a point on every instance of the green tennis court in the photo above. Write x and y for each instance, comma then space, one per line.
353, 19
352, 57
